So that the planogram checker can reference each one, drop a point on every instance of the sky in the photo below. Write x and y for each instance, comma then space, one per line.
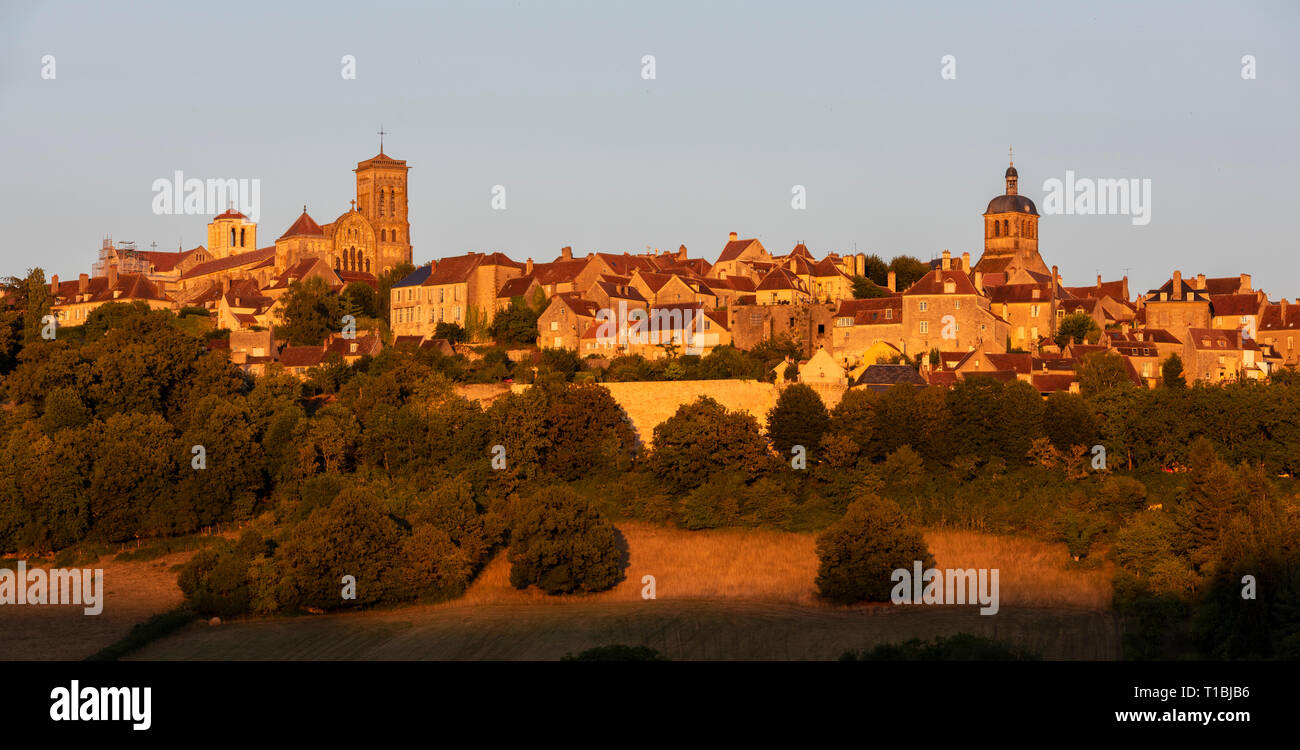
748, 100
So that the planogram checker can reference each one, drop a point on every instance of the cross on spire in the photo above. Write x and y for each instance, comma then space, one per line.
381, 138
1011, 156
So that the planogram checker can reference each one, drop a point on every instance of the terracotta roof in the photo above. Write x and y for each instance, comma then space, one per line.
229, 213
1019, 293
620, 291
933, 283
516, 287
560, 271
1019, 363
941, 377
734, 248
1234, 304
381, 160
734, 283
1051, 382
779, 279
1214, 338
250, 258
348, 277
580, 305
302, 356
361, 345
305, 226
164, 261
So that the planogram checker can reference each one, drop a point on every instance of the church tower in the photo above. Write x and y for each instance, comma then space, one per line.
1011, 231
382, 200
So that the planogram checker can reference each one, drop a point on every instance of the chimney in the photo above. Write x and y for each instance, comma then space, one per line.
112, 275
83, 283
979, 281
225, 285
1098, 281
566, 253
528, 267
1200, 281
731, 237
1178, 286
1245, 283
892, 282
965, 262
947, 260
54, 285
681, 253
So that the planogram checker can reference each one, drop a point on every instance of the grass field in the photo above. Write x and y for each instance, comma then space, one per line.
724, 594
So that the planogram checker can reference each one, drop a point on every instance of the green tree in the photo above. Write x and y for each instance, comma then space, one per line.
517, 324
799, 417
351, 537
703, 438
360, 300
907, 271
864, 288
1171, 372
560, 544
452, 332
1100, 371
311, 312
858, 554
1077, 327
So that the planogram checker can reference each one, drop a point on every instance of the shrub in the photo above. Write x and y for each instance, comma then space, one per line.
798, 418
616, 652
561, 545
960, 647
858, 554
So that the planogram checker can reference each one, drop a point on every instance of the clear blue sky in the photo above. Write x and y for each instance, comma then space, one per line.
750, 99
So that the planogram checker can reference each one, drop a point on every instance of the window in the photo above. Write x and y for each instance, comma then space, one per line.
956, 304
1033, 311
889, 313
555, 325
923, 306
821, 329
925, 326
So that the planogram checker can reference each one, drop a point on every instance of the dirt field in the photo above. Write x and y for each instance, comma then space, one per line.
727, 594
680, 630
134, 591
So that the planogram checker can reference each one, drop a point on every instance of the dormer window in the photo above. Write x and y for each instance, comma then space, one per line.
949, 287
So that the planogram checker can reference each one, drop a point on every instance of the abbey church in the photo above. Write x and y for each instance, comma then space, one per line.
241, 280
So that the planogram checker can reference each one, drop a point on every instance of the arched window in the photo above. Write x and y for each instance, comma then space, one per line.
241, 237
997, 229
381, 202
1006, 228
232, 236
367, 265
392, 203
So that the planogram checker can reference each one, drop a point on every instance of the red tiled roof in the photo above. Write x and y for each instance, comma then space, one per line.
250, 258
305, 226
1234, 304
302, 356
933, 283
734, 248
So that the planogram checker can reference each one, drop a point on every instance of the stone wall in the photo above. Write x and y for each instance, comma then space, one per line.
648, 403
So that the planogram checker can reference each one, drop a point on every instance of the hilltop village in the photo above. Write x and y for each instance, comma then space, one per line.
852, 319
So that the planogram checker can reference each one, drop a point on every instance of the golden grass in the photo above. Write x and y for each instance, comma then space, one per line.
1030, 573
777, 566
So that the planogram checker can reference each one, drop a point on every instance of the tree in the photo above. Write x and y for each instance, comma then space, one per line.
1100, 371
798, 418
387, 280
877, 270
517, 324
703, 438
1077, 327
359, 300
453, 332
35, 304
311, 312
858, 554
907, 271
562, 545
1068, 421
864, 288
350, 537
1171, 372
